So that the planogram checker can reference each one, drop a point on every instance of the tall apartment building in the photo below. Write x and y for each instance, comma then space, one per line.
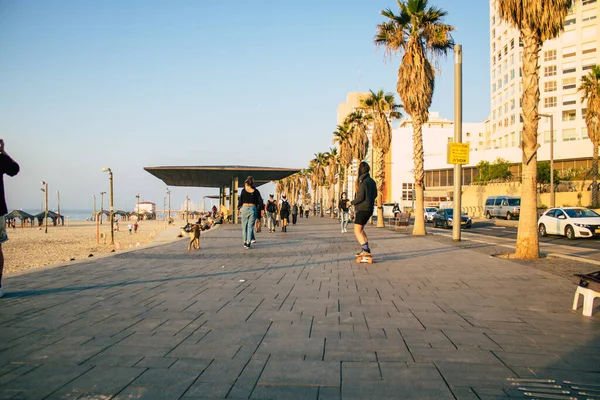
563, 61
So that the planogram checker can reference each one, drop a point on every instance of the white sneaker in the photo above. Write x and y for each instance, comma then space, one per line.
252, 241
1, 292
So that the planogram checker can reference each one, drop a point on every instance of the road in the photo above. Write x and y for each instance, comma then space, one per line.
492, 231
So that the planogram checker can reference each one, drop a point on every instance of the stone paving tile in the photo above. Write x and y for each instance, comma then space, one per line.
295, 317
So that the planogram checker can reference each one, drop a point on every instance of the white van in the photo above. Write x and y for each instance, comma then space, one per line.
508, 207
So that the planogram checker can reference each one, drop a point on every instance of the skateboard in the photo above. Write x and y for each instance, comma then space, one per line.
365, 258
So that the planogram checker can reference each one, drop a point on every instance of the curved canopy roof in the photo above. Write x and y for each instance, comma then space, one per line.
218, 175
20, 214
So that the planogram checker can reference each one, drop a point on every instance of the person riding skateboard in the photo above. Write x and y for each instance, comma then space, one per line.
364, 203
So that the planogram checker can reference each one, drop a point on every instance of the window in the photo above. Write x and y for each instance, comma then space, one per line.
513, 140
493, 60
550, 55
583, 112
512, 43
569, 83
494, 46
550, 101
547, 137
512, 104
494, 87
570, 21
513, 119
548, 71
584, 134
569, 102
493, 33
505, 50
588, 51
499, 55
569, 70
587, 67
569, 115
506, 108
569, 134
512, 59
512, 74
567, 55
505, 79
586, 2
550, 86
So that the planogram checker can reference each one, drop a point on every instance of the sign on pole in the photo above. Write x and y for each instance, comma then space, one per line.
458, 153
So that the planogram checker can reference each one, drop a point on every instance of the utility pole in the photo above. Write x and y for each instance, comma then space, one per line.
97, 223
112, 209
101, 205
457, 218
169, 195
45, 190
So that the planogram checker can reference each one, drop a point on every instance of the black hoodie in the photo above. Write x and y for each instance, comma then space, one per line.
364, 200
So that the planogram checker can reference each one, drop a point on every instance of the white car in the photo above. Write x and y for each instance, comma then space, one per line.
429, 213
572, 222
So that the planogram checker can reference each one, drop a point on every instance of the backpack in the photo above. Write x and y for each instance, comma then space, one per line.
271, 206
285, 206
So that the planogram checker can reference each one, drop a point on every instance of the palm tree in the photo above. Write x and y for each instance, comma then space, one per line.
420, 35
537, 21
341, 137
382, 107
358, 122
590, 88
318, 164
333, 170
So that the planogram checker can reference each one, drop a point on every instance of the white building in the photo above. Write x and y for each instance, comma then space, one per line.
145, 206
563, 61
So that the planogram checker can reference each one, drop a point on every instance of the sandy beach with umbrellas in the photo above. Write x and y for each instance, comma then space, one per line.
29, 247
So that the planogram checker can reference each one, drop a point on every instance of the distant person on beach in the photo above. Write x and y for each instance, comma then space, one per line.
294, 214
247, 207
9, 167
364, 203
135, 227
130, 227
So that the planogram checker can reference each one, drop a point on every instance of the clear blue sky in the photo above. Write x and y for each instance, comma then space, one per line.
129, 84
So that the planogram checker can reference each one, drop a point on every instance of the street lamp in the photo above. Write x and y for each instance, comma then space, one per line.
169, 195
137, 196
96, 220
101, 205
45, 190
112, 219
551, 157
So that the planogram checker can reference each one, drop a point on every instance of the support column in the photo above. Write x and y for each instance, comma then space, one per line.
234, 196
231, 204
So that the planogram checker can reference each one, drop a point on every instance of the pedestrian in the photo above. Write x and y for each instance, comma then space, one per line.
396, 210
301, 211
247, 207
294, 214
194, 237
284, 212
364, 203
130, 228
135, 227
9, 167
260, 209
344, 215
271, 212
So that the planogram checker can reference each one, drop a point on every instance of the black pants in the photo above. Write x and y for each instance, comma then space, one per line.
294, 218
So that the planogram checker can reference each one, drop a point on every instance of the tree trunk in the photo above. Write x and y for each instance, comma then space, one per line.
346, 177
380, 180
527, 235
321, 213
595, 201
419, 211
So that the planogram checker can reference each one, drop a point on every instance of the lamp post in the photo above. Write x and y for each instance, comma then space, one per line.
101, 205
112, 219
96, 220
137, 196
45, 190
58, 194
551, 157
169, 216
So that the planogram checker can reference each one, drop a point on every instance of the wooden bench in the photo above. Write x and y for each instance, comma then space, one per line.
401, 221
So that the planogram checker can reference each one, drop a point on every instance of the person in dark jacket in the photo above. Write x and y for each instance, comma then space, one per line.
364, 203
9, 167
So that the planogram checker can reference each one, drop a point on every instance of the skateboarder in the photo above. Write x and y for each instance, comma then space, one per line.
364, 202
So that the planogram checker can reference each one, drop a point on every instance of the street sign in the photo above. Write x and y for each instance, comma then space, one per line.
458, 153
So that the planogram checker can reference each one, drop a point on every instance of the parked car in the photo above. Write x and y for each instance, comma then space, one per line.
444, 218
429, 213
508, 207
572, 222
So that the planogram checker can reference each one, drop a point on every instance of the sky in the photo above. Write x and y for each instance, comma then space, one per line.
130, 84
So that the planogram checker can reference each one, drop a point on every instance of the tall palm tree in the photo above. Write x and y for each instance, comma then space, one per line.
590, 89
382, 107
318, 164
537, 21
333, 170
420, 35
358, 122
341, 137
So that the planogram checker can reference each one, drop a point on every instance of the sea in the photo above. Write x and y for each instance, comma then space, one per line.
74, 215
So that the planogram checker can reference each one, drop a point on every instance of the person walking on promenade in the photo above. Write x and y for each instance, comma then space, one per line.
247, 207
9, 167
260, 208
271, 213
194, 237
364, 203
301, 211
294, 214
284, 212
344, 214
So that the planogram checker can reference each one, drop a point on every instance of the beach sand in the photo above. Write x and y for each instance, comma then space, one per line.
32, 248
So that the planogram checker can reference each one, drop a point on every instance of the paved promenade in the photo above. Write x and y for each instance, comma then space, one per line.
295, 318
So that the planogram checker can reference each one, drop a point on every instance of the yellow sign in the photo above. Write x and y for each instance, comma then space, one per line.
458, 153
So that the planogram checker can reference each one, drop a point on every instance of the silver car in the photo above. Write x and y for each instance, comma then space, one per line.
429, 213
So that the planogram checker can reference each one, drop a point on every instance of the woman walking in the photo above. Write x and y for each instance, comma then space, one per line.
284, 212
364, 202
344, 215
247, 206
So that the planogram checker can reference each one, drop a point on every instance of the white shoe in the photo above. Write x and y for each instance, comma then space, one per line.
1, 292
252, 241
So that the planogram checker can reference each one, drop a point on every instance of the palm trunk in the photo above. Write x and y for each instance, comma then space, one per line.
527, 235
380, 182
346, 177
595, 200
419, 211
